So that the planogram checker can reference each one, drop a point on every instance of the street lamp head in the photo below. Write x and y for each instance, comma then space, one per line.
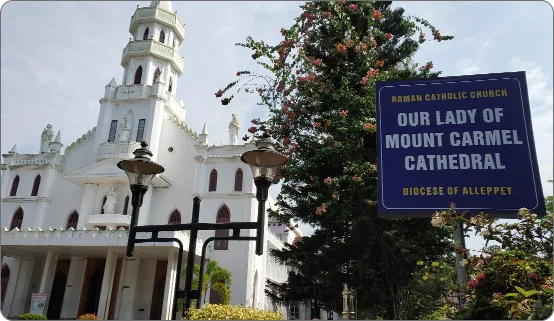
264, 160
141, 170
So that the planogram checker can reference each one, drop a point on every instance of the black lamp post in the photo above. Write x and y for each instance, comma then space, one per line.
264, 162
140, 171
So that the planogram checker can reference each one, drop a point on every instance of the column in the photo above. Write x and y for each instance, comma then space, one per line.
23, 281
5, 182
144, 212
73, 288
87, 203
48, 276
128, 286
301, 312
107, 284
169, 291
15, 268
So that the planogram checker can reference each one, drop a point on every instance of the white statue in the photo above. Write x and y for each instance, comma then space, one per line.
124, 130
46, 139
109, 206
234, 128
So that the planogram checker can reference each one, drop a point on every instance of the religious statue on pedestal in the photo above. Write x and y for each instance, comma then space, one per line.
46, 139
109, 206
124, 130
234, 128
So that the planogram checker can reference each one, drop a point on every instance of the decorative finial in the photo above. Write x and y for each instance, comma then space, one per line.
58, 137
143, 152
13, 150
205, 129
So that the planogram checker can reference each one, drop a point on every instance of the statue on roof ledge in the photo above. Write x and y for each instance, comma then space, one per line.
46, 139
234, 128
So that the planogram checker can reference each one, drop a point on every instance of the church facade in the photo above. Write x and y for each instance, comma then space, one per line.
65, 216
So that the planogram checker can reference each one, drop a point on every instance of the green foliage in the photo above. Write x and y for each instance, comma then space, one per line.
32, 316
319, 86
510, 281
215, 277
88, 316
229, 312
429, 289
548, 203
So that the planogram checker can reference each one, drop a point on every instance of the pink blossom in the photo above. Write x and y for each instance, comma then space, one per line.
352, 7
327, 180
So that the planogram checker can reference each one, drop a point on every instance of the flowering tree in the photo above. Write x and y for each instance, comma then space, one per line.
511, 279
318, 84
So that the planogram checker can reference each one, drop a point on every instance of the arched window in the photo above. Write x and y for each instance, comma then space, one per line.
17, 219
170, 84
72, 220
5, 280
36, 186
126, 205
223, 216
174, 218
15, 185
138, 76
238, 180
145, 35
213, 181
103, 203
162, 36
157, 74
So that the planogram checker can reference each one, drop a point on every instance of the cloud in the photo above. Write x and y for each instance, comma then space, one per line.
540, 91
470, 66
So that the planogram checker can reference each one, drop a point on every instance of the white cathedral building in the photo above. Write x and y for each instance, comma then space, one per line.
64, 216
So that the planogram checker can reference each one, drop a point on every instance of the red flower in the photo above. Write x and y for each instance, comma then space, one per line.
380, 63
283, 31
480, 278
252, 129
316, 124
334, 196
219, 93
534, 276
473, 283
352, 7
225, 101
345, 168
377, 15
388, 35
292, 115
327, 180
364, 80
343, 113
546, 287
326, 15
238, 73
286, 141
342, 2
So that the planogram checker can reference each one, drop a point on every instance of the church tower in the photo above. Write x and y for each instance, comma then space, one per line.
133, 111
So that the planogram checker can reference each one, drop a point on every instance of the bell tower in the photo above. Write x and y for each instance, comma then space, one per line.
133, 111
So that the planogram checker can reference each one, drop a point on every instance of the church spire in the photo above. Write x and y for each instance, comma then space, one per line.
166, 5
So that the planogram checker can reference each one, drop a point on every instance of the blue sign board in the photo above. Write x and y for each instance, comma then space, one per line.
466, 140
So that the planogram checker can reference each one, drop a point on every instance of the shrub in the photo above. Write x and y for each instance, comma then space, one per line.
32, 316
88, 316
229, 312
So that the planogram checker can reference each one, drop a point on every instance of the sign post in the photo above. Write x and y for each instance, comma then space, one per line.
466, 140
38, 303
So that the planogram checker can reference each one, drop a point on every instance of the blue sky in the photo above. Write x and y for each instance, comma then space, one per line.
58, 56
